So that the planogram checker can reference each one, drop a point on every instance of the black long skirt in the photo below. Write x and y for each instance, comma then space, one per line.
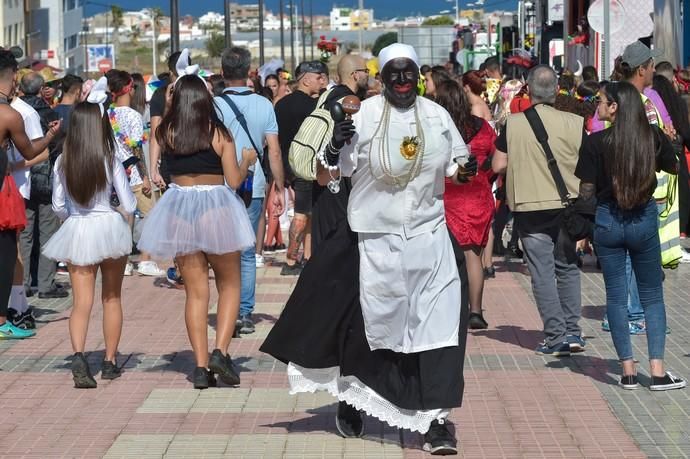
322, 326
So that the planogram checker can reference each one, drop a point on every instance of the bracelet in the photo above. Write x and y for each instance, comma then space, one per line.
329, 158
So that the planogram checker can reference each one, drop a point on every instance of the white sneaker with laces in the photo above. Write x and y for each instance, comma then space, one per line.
150, 268
260, 262
129, 269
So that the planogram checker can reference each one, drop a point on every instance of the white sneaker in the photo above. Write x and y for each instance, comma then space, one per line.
685, 258
150, 268
260, 262
129, 269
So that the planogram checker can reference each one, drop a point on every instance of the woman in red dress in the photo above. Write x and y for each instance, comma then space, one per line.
470, 207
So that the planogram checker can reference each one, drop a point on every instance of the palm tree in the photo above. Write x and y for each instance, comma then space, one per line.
117, 15
135, 35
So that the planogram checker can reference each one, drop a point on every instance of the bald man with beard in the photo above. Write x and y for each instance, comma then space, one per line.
328, 209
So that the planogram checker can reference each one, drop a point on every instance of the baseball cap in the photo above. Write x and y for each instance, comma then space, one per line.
310, 67
637, 53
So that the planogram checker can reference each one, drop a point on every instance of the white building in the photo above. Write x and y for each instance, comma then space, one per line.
212, 19
55, 33
344, 19
12, 23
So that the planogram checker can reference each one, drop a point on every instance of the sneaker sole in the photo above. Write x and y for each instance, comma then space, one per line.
576, 348
554, 354
340, 430
440, 450
669, 386
629, 386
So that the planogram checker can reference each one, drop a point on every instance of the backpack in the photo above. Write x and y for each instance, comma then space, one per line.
315, 131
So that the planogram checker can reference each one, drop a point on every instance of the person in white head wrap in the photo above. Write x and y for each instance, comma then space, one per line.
91, 194
397, 351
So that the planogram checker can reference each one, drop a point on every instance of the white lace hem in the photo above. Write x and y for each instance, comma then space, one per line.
353, 391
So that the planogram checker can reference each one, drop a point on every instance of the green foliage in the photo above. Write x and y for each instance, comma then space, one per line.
117, 13
439, 21
215, 44
384, 40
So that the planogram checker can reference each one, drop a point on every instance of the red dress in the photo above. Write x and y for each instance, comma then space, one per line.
470, 207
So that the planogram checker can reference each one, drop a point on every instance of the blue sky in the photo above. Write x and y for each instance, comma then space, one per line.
382, 8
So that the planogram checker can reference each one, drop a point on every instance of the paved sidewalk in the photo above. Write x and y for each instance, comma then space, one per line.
517, 404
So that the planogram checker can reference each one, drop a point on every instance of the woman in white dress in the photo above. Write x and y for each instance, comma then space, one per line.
94, 234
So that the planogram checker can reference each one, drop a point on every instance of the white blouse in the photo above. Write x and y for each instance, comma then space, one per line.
376, 206
64, 206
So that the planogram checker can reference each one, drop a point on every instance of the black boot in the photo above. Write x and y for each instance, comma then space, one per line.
222, 366
110, 370
81, 373
439, 441
348, 421
203, 378
477, 321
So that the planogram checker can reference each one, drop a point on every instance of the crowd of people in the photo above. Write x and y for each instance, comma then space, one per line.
399, 187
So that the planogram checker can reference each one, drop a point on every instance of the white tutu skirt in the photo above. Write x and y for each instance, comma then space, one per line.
201, 218
90, 239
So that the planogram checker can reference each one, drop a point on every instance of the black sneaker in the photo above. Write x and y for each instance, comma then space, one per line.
53, 293
110, 370
81, 374
269, 250
477, 321
439, 441
16, 318
28, 320
247, 325
294, 270
629, 382
222, 365
203, 378
280, 248
490, 273
667, 382
348, 421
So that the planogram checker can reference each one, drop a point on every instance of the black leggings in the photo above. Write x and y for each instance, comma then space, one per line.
8, 258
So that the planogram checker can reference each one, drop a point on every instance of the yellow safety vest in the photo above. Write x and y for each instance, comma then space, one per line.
666, 195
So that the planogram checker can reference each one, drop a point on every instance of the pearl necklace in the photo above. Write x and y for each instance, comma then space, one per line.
388, 176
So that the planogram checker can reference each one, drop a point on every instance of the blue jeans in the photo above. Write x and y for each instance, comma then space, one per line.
248, 263
618, 234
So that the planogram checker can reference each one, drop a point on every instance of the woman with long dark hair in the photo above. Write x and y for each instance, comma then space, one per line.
201, 221
94, 234
470, 206
138, 98
618, 166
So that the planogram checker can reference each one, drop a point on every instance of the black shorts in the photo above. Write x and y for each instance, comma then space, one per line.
302, 190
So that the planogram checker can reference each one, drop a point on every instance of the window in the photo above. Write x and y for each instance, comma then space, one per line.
69, 5
71, 42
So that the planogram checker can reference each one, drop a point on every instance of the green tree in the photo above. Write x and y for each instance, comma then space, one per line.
215, 44
117, 14
439, 21
384, 40
135, 35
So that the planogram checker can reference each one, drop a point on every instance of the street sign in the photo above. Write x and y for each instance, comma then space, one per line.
97, 53
47, 54
104, 65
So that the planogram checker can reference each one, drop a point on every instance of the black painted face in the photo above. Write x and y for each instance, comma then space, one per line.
400, 77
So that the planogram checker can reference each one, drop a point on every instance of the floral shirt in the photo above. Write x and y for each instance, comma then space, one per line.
129, 129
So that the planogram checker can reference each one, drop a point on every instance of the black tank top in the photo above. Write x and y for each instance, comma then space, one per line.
202, 162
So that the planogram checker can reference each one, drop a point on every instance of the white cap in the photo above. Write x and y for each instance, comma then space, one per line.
395, 51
